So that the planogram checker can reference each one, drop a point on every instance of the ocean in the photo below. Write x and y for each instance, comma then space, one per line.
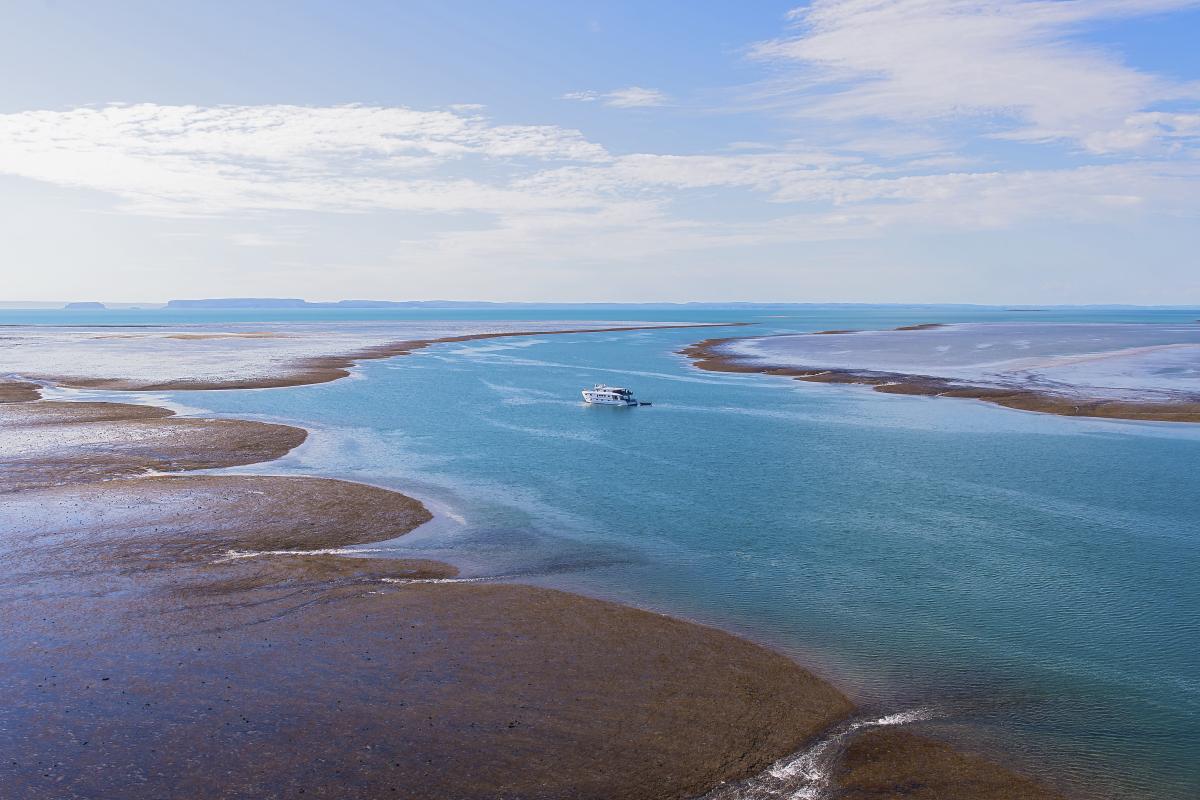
1029, 582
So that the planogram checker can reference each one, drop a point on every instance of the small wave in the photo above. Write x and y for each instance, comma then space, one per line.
900, 718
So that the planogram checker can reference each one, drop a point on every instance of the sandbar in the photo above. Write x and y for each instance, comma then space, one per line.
1057, 398
46, 443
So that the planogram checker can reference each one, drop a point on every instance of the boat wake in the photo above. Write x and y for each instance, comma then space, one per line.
808, 774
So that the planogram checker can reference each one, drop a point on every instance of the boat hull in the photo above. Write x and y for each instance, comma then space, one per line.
595, 399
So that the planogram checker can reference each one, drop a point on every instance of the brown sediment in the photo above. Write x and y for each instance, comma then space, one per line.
59, 412
322, 369
113, 440
887, 763
18, 391
707, 355
924, 326
162, 645
265, 677
165, 521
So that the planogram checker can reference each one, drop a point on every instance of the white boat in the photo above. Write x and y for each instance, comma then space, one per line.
601, 395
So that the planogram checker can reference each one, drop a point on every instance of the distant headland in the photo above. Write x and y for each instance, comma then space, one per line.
295, 302
299, 303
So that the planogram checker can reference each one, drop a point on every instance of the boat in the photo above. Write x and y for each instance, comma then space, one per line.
601, 395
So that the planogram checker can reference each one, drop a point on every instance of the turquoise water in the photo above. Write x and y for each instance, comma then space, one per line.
1030, 579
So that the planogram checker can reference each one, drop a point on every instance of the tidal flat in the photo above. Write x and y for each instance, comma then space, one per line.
175, 635
1122, 371
248, 625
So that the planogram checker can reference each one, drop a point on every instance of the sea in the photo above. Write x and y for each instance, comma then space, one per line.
1025, 585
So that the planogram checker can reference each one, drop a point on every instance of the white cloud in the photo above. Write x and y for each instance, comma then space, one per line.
1012, 66
251, 239
635, 97
188, 159
544, 194
892, 114
629, 97
1141, 130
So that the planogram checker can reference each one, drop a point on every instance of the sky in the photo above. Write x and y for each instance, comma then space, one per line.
987, 151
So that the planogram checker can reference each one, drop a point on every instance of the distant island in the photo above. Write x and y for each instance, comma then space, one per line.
293, 302
84, 306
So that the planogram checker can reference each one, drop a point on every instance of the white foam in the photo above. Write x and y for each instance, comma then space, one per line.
485, 579
900, 718
808, 774
237, 555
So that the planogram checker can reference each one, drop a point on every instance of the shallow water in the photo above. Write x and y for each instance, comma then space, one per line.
1030, 580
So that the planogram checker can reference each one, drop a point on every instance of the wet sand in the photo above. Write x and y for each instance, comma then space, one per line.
709, 355
46, 443
886, 762
18, 392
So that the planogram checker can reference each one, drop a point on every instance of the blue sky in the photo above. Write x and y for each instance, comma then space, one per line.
857, 150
